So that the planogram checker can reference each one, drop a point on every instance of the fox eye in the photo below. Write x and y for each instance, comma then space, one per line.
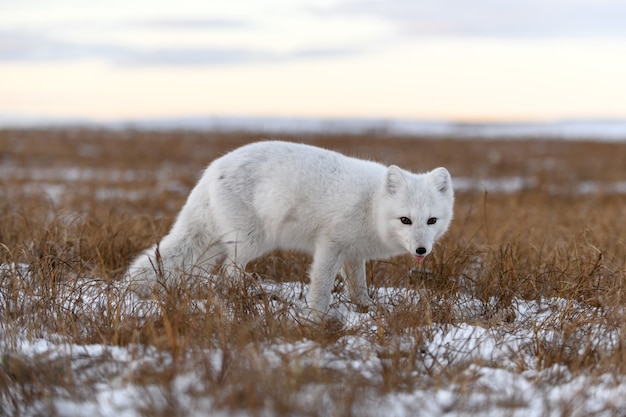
405, 220
432, 220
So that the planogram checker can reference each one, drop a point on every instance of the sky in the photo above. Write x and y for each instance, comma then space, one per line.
480, 60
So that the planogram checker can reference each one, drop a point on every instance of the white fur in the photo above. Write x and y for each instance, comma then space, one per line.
279, 195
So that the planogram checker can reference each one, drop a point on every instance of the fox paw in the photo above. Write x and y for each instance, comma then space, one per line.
364, 305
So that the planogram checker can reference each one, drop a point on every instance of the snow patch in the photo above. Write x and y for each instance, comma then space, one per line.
488, 358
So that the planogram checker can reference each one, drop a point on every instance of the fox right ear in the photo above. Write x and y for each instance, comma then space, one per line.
394, 179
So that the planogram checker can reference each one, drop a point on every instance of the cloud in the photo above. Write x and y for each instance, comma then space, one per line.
215, 56
36, 47
195, 23
211, 39
32, 46
496, 18
190, 56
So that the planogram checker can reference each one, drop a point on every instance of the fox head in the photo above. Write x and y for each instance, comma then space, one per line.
415, 209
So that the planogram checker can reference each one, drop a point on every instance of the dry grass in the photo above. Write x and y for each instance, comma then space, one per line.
78, 205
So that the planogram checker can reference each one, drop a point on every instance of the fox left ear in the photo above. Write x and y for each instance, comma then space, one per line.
441, 179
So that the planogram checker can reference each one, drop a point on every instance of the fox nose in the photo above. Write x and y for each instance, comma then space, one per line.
421, 250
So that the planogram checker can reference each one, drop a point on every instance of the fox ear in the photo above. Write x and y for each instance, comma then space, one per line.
394, 179
441, 179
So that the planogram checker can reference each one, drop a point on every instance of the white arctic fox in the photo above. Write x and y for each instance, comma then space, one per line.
279, 195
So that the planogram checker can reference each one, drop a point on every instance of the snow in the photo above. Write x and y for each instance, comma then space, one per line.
507, 185
489, 358
55, 184
574, 129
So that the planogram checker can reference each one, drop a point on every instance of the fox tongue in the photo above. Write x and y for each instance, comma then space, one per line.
419, 258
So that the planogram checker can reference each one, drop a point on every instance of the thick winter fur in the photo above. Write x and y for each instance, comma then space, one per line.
279, 195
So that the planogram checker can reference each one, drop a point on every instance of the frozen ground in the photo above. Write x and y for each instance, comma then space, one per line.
500, 372
524, 360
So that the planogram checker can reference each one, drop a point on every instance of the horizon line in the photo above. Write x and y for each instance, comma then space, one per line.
611, 128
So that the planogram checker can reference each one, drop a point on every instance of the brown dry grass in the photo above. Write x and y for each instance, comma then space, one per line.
79, 204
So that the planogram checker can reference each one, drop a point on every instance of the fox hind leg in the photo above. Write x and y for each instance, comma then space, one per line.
240, 249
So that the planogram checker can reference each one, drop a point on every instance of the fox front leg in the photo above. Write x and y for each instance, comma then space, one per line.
324, 269
357, 283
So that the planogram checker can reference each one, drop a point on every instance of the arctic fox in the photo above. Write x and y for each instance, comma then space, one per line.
280, 195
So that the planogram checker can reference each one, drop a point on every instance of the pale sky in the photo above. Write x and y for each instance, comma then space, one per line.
445, 59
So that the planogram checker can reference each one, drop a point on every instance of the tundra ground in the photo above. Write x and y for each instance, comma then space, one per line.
520, 310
